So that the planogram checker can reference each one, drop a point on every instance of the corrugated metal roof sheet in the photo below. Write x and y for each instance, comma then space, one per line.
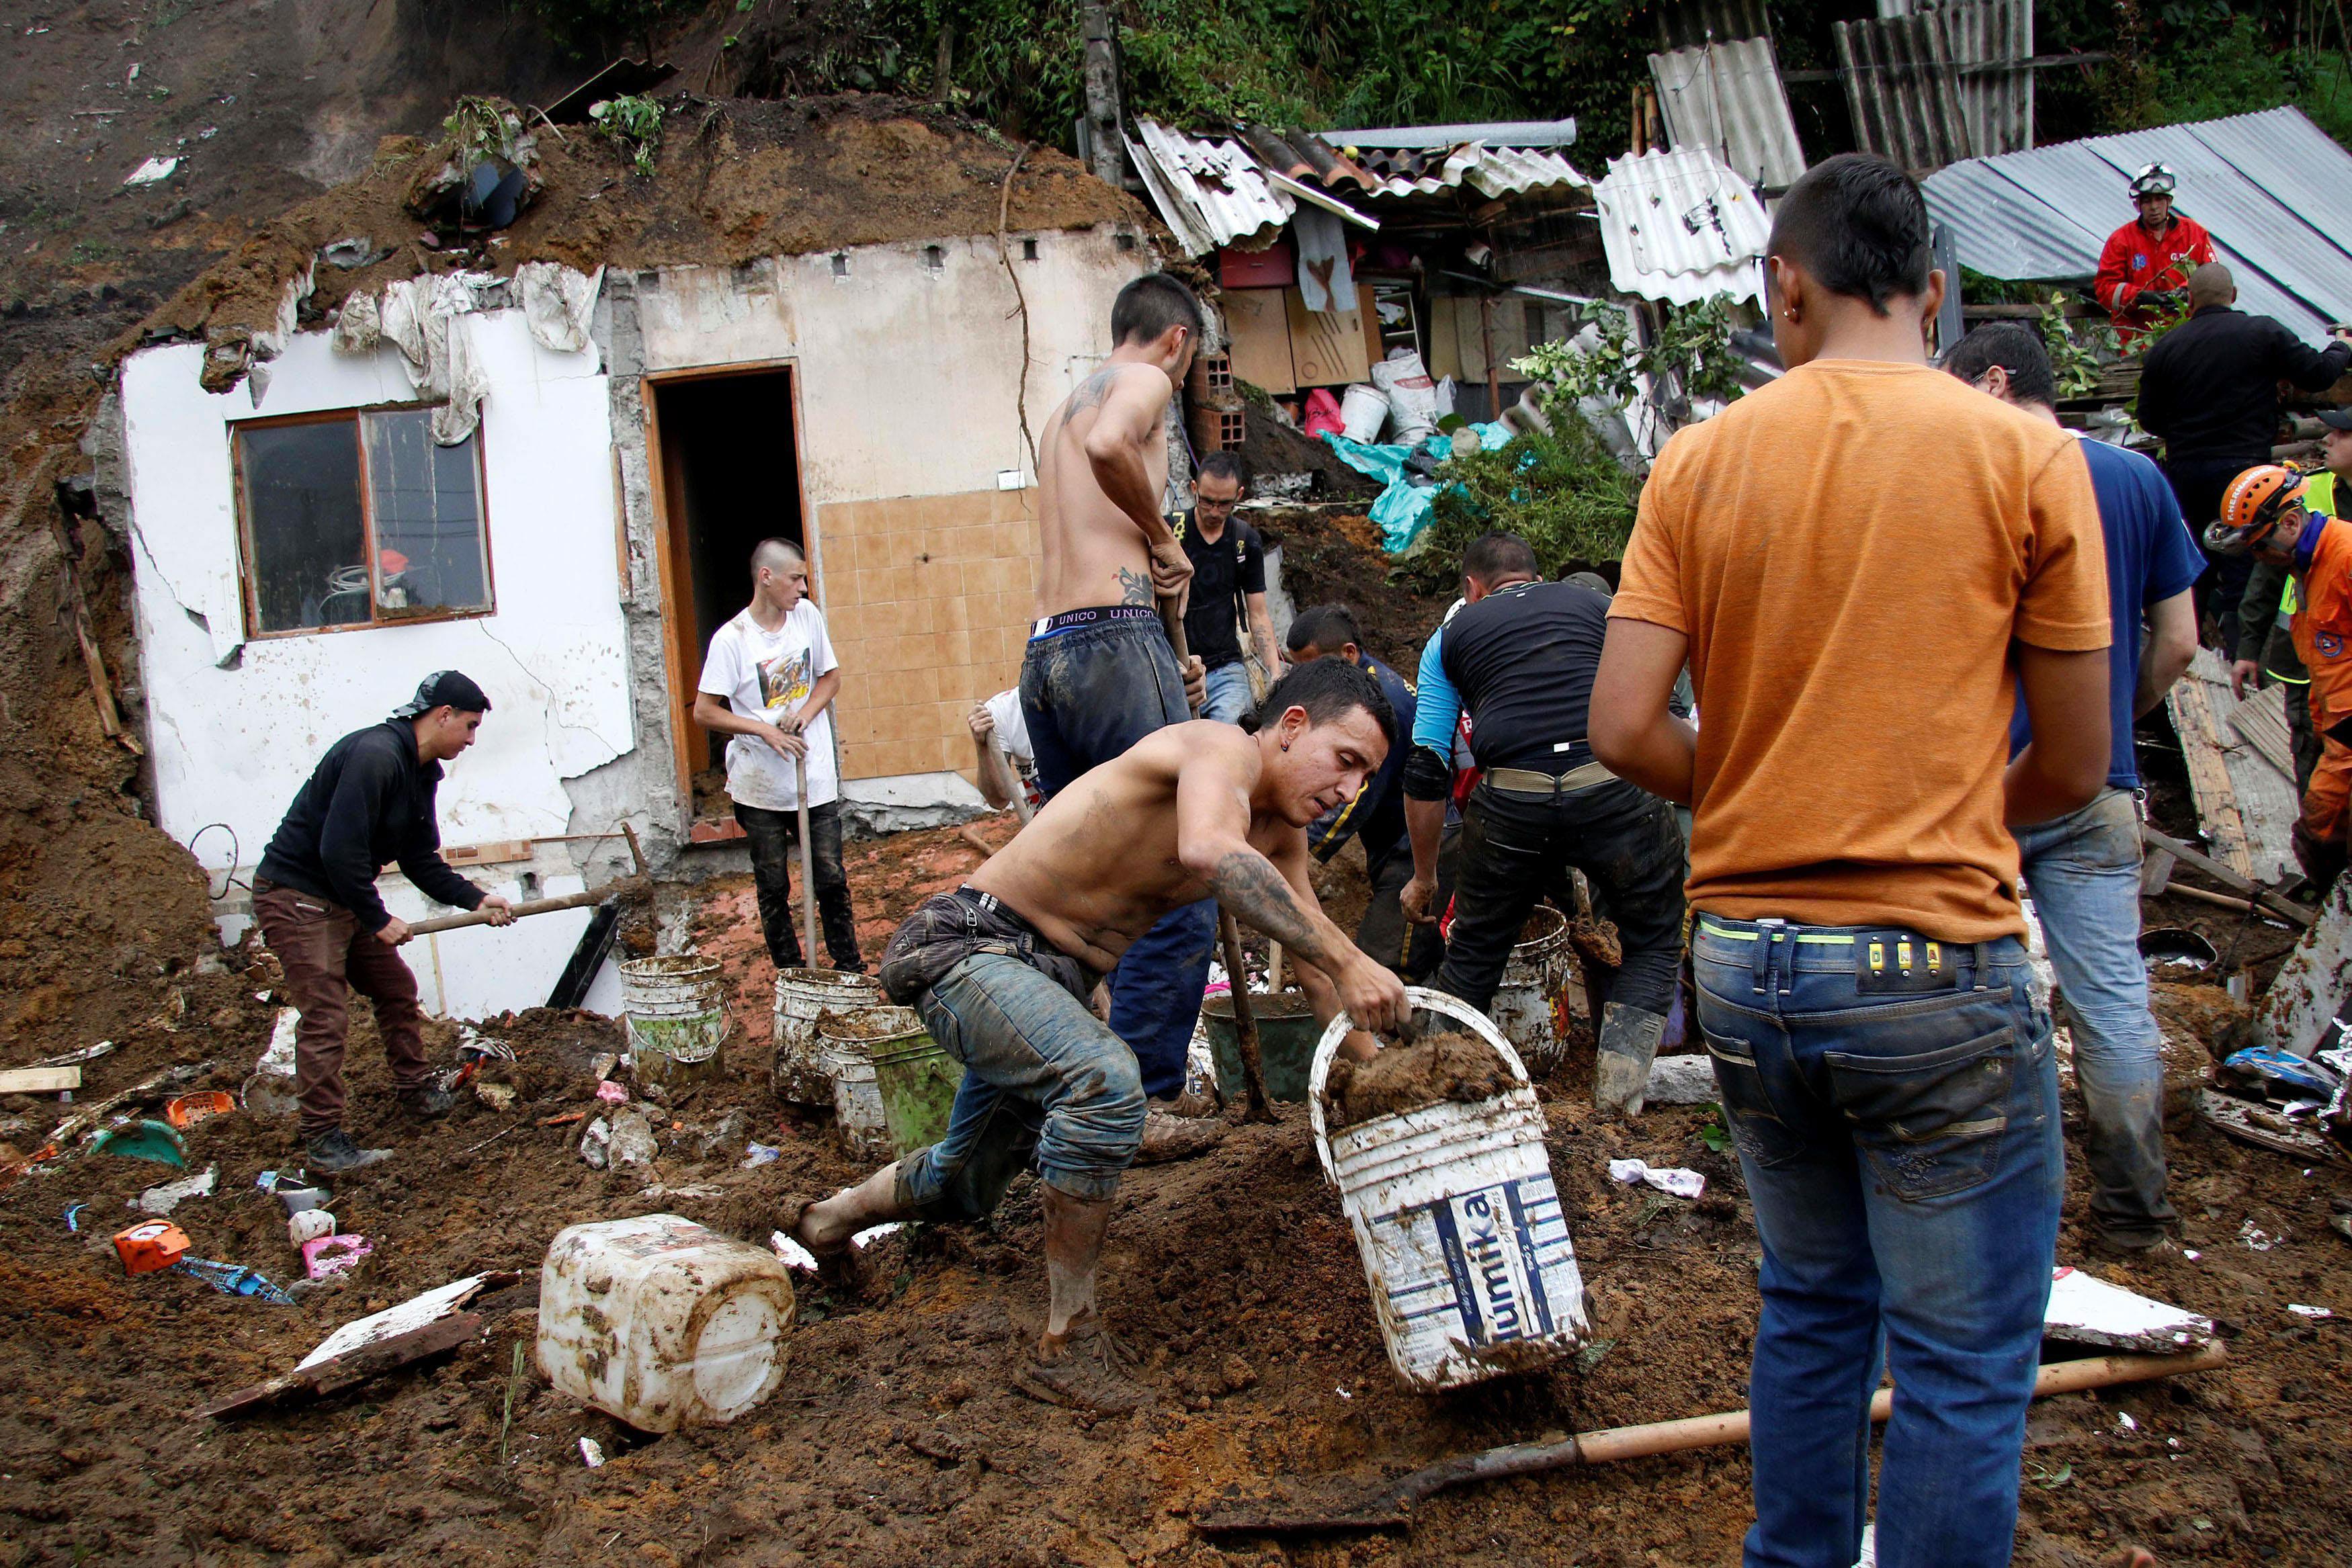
1680, 226
1998, 105
1214, 192
1728, 96
1901, 88
1427, 138
2274, 189
1683, 23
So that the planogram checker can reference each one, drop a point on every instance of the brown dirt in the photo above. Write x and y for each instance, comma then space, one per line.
1449, 1066
1270, 447
1335, 557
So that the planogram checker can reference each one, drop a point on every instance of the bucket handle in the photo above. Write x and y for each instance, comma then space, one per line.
1326, 1050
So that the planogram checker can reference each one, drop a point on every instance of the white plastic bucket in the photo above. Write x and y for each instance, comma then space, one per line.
1541, 991
1459, 1226
676, 1016
662, 1324
797, 1076
1363, 411
844, 1051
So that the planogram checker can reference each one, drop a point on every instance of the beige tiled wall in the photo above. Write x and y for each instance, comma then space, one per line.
929, 599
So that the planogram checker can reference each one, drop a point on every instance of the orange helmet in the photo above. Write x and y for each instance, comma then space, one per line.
2252, 508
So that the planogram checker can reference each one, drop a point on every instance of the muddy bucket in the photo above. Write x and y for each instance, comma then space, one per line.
844, 1044
918, 1083
676, 1016
1542, 991
796, 1075
1459, 1226
1286, 1033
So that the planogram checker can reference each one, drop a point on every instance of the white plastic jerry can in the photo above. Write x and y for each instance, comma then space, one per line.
662, 1324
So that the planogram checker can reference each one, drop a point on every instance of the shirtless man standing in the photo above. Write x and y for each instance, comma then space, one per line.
1002, 967
1098, 674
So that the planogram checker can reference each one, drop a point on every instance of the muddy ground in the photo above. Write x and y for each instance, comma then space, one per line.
895, 1437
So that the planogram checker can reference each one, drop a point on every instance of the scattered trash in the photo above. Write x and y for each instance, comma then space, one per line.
632, 1140
591, 1453
871, 1234
393, 1321
278, 1057
325, 1256
472, 1043
2256, 1238
1681, 1081
234, 1280
1343, 1393
2123, 1419
351, 254
2259, 1125
2088, 1311
2304, 1311
152, 171
2190, 1254
497, 1097
600, 1065
142, 1141
565, 1120
309, 1225
596, 1144
612, 1094
73, 1218
190, 1109
87, 1053
299, 1198
164, 1199
153, 1245
2170, 952
40, 1079
758, 1154
1675, 1182
794, 1255
2274, 1072
367, 1347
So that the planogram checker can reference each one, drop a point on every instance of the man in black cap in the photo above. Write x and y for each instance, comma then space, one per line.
368, 802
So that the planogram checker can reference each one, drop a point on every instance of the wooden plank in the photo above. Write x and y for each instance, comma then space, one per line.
2268, 802
2260, 721
345, 1371
1327, 347
39, 1080
1257, 326
2200, 728
489, 855
2286, 909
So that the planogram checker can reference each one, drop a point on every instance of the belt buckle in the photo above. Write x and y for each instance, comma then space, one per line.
1897, 962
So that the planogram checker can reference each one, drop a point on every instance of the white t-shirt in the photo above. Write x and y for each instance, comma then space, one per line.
767, 676
1012, 729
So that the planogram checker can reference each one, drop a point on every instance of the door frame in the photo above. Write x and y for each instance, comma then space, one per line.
670, 548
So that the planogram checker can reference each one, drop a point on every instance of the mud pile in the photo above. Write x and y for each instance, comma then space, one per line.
1451, 1065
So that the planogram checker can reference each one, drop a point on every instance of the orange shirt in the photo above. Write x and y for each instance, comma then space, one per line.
1850, 551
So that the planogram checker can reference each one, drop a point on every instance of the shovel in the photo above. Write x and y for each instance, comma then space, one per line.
1387, 1507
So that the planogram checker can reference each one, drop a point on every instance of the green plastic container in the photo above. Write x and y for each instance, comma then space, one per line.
1286, 1037
917, 1082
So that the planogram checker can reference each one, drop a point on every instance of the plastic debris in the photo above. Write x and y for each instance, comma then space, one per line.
307, 1226
600, 1065
497, 1097
2088, 1311
612, 1094
190, 1109
350, 254
278, 1057
1681, 1081
142, 1141
591, 1452
164, 1199
234, 1280
2303, 1312
2255, 1237
2123, 1419
596, 1144
794, 1255
153, 171
149, 1246
325, 1256
2277, 1071
632, 1140
873, 1233
73, 1218
758, 1154
1674, 1181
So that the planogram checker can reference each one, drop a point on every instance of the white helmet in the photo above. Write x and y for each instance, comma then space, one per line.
2156, 180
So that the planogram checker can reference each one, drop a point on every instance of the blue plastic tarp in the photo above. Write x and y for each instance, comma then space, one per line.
1404, 507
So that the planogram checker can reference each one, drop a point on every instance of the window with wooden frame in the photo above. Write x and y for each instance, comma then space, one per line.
358, 518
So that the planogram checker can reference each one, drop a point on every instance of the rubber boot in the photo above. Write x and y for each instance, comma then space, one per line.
1629, 1040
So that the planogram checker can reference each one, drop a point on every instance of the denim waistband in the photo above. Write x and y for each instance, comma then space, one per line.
1102, 615
1762, 944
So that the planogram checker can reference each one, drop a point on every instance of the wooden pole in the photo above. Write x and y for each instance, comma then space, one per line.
533, 907
808, 885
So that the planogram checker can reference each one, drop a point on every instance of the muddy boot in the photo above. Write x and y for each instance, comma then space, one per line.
1086, 1370
1629, 1040
1170, 1136
333, 1152
428, 1101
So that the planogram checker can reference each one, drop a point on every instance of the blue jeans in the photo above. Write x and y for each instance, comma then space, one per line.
1044, 1082
2082, 871
1902, 1151
1228, 695
1088, 694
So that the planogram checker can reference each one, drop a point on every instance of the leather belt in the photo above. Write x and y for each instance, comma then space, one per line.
1526, 781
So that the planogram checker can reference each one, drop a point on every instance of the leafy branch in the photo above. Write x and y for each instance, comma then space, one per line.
633, 123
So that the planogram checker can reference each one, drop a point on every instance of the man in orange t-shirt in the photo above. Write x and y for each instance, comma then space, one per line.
1859, 563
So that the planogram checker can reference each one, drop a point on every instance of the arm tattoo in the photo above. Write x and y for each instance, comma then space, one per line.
1248, 884
1134, 587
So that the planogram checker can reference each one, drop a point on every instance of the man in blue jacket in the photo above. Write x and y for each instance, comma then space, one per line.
368, 803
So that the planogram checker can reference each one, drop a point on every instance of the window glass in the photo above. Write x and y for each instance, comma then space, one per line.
427, 500
307, 538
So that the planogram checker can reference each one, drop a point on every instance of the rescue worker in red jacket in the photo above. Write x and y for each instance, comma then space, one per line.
2147, 262
2269, 511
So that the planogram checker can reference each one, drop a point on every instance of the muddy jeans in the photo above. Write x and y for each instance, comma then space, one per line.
326, 957
2082, 870
1899, 1136
774, 840
1517, 847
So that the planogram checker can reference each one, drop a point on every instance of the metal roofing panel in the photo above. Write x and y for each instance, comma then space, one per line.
1901, 86
1211, 193
1997, 104
1431, 138
1680, 226
1728, 96
2274, 191
1684, 23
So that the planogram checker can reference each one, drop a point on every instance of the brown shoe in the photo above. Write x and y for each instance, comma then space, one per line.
1167, 1137
1088, 1371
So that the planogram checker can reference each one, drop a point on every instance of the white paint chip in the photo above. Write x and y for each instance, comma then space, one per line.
152, 171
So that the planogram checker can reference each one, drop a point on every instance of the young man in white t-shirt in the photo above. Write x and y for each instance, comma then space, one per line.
1008, 769
769, 683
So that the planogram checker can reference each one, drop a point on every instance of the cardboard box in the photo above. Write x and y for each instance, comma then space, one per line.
1259, 327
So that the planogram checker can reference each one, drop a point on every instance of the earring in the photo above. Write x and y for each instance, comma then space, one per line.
1285, 746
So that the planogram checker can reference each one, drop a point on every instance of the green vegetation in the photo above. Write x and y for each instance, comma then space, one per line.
633, 123
1562, 493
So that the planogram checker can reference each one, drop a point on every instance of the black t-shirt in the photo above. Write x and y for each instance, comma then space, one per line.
1523, 660
1223, 575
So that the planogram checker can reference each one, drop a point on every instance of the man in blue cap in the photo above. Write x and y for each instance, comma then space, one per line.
367, 804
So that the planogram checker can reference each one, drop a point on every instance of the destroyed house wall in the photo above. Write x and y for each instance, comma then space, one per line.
921, 496
236, 726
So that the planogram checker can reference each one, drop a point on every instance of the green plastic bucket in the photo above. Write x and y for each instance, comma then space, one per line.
1286, 1035
917, 1082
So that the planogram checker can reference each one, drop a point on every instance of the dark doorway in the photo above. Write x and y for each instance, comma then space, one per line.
729, 473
